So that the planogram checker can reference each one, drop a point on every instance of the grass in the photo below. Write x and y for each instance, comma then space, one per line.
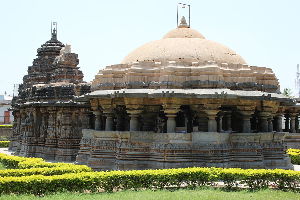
203, 194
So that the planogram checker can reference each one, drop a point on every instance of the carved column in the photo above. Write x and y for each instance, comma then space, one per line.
279, 123
263, 117
287, 123
97, 120
270, 124
297, 124
246, 115
134, 123
171, 123
171, 112
228, 121
293, 123
220, 123
108, 122
212, 123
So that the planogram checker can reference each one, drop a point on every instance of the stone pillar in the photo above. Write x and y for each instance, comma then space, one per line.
297, 124
171, 123
263, 118
246, 115
120, 121
133, 123
171, 112
293, 123
212, 123
97, 120
220, 123
279, 123
270, 125
228, 121
287, 123
109, 122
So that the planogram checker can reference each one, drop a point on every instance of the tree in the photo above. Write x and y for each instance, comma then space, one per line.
287, 92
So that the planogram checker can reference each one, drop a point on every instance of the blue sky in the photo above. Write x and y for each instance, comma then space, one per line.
264, 32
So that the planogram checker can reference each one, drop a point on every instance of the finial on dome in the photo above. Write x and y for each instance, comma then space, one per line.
53, 30
183, 23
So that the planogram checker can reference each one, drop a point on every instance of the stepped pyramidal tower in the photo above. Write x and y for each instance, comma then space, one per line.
48, 118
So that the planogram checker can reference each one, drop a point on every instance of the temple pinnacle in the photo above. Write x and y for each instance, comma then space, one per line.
54, 30
183, 23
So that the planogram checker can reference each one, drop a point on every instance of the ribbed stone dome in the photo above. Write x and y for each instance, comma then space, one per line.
184, 44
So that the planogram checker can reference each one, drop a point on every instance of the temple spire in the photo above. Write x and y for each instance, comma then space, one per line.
182, 11
53, 30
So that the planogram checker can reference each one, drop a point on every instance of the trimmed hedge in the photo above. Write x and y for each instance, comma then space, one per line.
4, 144
151, 179
17, 162
60, 177
294, 155
6, 125
45, 171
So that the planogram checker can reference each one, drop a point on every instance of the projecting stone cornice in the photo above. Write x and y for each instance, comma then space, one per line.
189, 93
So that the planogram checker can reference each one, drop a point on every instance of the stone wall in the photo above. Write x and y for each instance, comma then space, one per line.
5, 133
114, 150
292, 140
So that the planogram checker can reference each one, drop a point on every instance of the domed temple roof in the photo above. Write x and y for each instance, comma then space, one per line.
184, 43
184, 59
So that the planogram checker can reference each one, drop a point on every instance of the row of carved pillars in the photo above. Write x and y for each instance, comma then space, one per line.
291, 123
216, 120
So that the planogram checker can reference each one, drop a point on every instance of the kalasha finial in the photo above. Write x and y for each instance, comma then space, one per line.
183, 23
54, 30
182, 8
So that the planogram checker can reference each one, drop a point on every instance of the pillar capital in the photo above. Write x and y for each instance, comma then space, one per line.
211, 113
96, 113
212, 123
134, 112
293, 114
264, 115
171, 109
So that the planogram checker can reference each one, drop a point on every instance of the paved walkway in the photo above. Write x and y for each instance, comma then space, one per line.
5, 150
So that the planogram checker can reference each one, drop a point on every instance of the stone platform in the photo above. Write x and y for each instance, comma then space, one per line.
292, 140
128, 150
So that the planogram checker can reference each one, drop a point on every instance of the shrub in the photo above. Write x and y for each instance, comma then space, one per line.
59, 177
45, 171
4, 144
294, 155
17, 162
151, 179
6, 125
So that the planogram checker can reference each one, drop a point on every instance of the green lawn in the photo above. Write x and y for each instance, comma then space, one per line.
203, 194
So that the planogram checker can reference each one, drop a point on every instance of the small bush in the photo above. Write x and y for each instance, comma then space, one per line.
151, 179
294, 155
6, 125
4, 144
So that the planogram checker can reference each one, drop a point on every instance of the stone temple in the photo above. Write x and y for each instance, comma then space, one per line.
180, 101
48, 119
